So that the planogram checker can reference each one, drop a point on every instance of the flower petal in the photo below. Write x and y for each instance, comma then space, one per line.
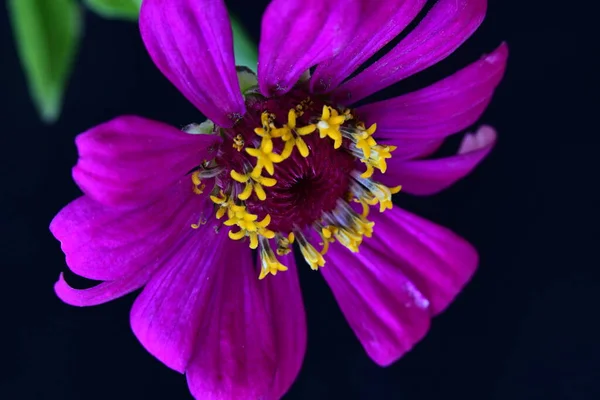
166, 315
379, 25
435, 259
298, 34
425, 177
441, 109
103, 292
384, 308
282, 292
209, 315
409, 149
410, 270
105, 243
447, 25
191, 43
130, 161
252, 341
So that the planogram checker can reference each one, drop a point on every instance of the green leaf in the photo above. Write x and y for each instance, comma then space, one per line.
116, 9
47, 34
243, 46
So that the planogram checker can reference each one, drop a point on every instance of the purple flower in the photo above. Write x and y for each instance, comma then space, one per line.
282, 161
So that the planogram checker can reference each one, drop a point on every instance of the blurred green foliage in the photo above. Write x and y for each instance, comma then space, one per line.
119, 9
47, 34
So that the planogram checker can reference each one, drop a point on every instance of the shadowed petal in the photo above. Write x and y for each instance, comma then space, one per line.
289, 324
425, 177
409, 149
447, 25
441, 109
103, 292
253, 337
298, 34
208, 314
105, 243
191, 43
166, 315
435, 259
129, 161
379, 25
409, 271
384, 308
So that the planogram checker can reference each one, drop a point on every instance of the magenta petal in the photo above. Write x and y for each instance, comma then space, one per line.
191, 43
253, 336
166, 315
441, 109
384, 308
105, 243
380, 24
447, 25
435, 259
208, 315
410, 270
409, 149
298, 34
103, 292
425, 177
129, 161
289, 324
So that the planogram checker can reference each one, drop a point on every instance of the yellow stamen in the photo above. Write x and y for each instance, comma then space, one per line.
264, 160
286, 133
254, 182
329, 126
365, 141
269, 263
238, 142
201, 221
327, 233
248, 224
365, 207
197, 186
311, 255
283, 244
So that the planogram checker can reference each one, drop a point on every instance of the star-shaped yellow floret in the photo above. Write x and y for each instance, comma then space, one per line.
265, 158
248, 224
365, 141
329, 125
291, 134
254, 183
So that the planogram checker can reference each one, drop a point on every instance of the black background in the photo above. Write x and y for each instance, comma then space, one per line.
525, 328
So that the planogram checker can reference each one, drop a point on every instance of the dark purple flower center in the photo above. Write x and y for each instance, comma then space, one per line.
291, 164
306, 186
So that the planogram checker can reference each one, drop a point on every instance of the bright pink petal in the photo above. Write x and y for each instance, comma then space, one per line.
105, 243
130, 161
208, 314
298, 34
190, 41
435, 259
441, 109
380, 24
409, 149
425, 177
166, 315
410, 270
289, 324
103, 292
384, 308
253, 337
447, 25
